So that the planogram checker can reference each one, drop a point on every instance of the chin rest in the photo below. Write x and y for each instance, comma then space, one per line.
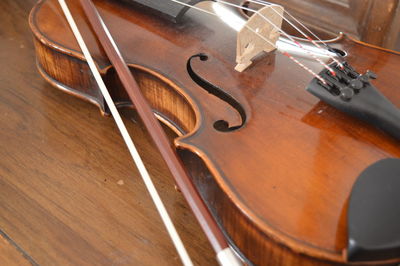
374, 213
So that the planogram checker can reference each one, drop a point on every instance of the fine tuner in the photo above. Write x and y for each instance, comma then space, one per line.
270, 180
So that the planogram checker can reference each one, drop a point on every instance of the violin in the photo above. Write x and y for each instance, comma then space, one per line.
274, 164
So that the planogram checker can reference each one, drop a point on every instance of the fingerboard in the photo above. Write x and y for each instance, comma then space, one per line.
169, 9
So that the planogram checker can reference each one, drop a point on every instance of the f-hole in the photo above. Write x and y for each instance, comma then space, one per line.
220, 125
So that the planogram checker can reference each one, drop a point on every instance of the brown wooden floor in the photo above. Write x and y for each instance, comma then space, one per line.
69, 193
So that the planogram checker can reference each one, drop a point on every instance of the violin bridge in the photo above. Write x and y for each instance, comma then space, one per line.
265, 23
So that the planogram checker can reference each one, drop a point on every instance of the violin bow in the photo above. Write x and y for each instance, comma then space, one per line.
225, 255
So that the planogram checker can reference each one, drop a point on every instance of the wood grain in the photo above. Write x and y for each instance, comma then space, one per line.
69, 194
372, 21
12, 255
279, 185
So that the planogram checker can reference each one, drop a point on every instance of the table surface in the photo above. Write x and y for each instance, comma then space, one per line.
69, 192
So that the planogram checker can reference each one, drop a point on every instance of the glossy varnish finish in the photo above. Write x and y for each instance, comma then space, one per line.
69, 194
279, 185
373, 21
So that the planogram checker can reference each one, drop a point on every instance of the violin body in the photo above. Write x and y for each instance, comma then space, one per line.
278, 172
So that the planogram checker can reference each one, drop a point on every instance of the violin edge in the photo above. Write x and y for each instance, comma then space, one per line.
77, 55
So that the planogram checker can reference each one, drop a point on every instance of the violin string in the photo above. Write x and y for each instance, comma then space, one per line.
214, 14
295, 19
287, 54
131, 147
281, 31
264, 3
326, 52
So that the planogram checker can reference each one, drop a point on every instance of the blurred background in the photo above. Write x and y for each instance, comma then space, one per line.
373, 21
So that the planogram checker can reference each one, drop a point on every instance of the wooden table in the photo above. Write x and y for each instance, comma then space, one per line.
69, 192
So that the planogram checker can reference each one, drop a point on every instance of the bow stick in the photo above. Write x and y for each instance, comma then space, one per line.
131, 147
225, 255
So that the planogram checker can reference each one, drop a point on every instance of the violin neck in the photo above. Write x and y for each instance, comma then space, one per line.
168, 9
